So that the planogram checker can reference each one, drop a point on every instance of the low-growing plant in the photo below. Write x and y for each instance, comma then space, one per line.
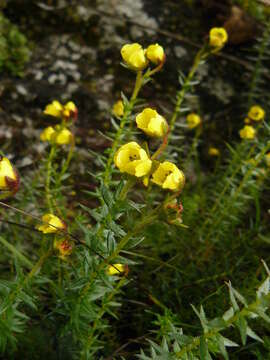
76, 273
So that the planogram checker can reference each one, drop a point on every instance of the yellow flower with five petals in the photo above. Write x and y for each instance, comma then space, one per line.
218, 37
247, 132
134, 56
47, 134
152, 123
67, 111
256, 113
168, 176
131, 158
51, 224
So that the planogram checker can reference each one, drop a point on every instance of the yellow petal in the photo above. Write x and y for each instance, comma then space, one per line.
6, 171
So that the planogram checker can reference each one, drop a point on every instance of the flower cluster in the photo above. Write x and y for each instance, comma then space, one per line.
255, 114
60, 134
137, 58
9, 178
132, 159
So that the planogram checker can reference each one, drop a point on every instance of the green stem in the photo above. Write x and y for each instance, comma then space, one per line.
209, 334
186, 86
237, 192
48, 177
101, 313
127, 112
16, 252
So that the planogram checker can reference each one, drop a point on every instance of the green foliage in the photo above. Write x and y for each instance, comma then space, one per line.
14, 50
80, 303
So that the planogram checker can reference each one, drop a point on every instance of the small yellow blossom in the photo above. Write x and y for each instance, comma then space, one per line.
155, 53
62, 137
116, 269
132, 159
213, 151
267, 159
118, 108
9, 178
47, 134
256, 113
193, 120
247, 120
54, 109
168, 176
64, 247
67, 111
218, 37
51, 224
134, 56
152, 123
248, 132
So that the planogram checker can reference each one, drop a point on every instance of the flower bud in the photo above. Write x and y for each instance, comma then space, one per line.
213, 151
155, 54
152, 123
168, 176
64, 247
9, 178
52, 224
118, 108
256, 113
193, 120
248, 132
134, 56
218, 37
133, 159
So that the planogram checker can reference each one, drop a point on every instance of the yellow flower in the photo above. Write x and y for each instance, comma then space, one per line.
267, 159
248, 132
193, 120
118, 108
62, 137
247, 121
218, 37
67, 111
168, 176
51, 224
70, 110
47, 134
9, 178
64, 247
155, 53
54, 109
213, 151
116, 269
256, 113
152, 123
132, 159
134, 57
